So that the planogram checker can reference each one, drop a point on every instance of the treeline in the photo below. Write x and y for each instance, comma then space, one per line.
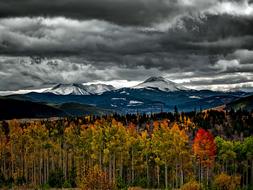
168, 150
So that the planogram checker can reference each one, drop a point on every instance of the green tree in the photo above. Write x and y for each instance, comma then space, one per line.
226, 154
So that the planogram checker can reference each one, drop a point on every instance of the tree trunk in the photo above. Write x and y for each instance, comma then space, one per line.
251, 172
247, 174
12, 162
158, 176
201, 173
147, 170
32, 173
226, 166
181, 175
173, 179
4, 165
166, 175
110, 168
100, 158
40, 168
47, 164
114, 167
23, 163
121, 166
132, 165
176, 176
207, 176
67, 165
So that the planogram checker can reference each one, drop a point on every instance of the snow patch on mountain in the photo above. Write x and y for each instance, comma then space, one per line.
124, 92
119, 99
135, 102
194, 97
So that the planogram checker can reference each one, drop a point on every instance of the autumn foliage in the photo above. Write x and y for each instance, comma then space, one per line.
95, 178
191, 185
119, 152
204, 147
226, 182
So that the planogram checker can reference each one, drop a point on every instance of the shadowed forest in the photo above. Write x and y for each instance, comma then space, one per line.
188, 151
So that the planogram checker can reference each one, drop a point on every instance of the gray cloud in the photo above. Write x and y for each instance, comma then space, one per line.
51, 36
244, 55
227, 79
22, 73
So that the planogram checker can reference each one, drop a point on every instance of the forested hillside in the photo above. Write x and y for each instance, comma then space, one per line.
204, 150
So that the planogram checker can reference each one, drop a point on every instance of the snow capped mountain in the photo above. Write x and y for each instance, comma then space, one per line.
69, 89
161, 84
80, 89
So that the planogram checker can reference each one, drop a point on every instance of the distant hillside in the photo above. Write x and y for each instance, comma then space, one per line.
10, 109
77, 109
245, 103
14, 107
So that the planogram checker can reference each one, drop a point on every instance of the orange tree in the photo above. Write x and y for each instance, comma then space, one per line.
204, 149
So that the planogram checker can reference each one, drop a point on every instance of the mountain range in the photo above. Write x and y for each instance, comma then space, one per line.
152, 83
153, 95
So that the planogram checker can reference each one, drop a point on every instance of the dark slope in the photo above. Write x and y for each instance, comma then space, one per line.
245, 103
11, 108
77, 109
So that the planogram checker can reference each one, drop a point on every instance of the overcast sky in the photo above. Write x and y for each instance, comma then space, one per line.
203, 44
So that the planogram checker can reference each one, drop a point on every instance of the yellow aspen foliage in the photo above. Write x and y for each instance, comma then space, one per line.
225, 182
191, 185
95, 178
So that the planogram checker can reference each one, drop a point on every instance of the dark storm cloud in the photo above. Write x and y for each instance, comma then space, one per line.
198, 35
123, 12
134, 12
212, 27
211, 34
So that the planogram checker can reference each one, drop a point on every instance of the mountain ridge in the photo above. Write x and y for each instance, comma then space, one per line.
79, 89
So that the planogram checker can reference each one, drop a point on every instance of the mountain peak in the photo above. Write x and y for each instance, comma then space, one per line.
62, 85
68, 89
160, 83
154, 79
80, 89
